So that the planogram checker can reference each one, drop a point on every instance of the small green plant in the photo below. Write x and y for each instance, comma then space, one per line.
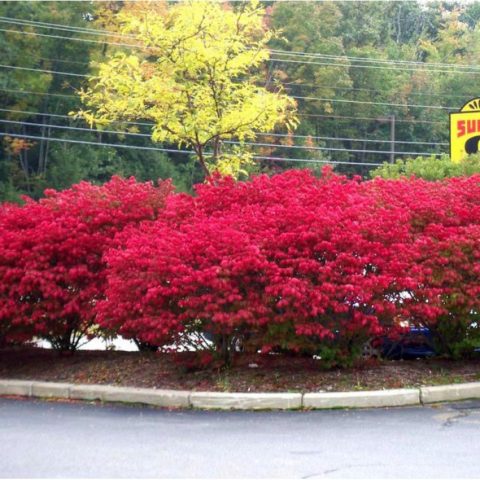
429, 168
223, 383
458, 339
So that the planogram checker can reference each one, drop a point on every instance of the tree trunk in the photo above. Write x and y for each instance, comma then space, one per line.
201, 159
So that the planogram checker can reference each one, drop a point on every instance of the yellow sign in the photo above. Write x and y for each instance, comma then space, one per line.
465, 131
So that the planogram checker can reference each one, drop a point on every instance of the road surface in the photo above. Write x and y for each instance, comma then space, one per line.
47, 439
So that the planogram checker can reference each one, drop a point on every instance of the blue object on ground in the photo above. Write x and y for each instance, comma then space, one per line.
416, 343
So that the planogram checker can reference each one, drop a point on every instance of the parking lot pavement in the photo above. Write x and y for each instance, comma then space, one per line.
49, 439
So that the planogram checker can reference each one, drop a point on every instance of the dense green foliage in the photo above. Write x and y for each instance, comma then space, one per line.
198, 91
429, 168
31, 166
352, 87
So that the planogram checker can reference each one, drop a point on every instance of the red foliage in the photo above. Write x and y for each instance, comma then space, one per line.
51, 268
284, 262
440, 286
302, 263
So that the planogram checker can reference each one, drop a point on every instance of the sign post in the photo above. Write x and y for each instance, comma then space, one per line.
465, 131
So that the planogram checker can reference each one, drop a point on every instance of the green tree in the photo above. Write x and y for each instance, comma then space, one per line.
429, 168
31, 165
193, 74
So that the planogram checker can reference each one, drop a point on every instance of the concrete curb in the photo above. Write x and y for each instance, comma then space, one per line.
450, 393
104, 393
367, 399
246, 401
241, 401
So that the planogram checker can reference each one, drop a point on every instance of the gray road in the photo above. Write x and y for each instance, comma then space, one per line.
44, 439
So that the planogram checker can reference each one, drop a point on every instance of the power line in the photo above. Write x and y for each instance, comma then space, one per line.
368, 140
330, 149
365, 102
298, 97
57, 26
371, 140
376, 119
73, 39
338, 100
258, 157
378, 67
372, 90
286, 85
253, 144
28, 92
55, 59
327, 116
272, 59
85, 142
371, 60
146, 135
57, 115
80, 129
149, 124
91, 31
317, 161
13, 67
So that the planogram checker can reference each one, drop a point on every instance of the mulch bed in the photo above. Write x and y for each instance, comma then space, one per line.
249, 373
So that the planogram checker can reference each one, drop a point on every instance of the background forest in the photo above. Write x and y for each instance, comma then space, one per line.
363, 74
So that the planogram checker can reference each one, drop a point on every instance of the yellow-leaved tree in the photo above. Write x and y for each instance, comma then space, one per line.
194, 70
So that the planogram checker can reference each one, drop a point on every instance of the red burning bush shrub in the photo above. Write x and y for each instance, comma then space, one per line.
441, 285
51, 268
175, 283
289, 261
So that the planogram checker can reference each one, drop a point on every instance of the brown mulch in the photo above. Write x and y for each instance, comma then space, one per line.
252, 373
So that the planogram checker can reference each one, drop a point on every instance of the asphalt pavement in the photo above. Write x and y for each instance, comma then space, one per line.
49, 439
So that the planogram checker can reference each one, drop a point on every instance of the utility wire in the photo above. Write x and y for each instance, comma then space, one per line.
259, 157
371, 60
54, 59
376, 119
378, 67
353, 150
73, 39
338, 100
287, 86
290, 83
13, 67
253, 144
79, 129
67, 28
472, 72
57, 115
370, 140
96, 31
365, 102
149, 124
85, 142
317, 161
28, 92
